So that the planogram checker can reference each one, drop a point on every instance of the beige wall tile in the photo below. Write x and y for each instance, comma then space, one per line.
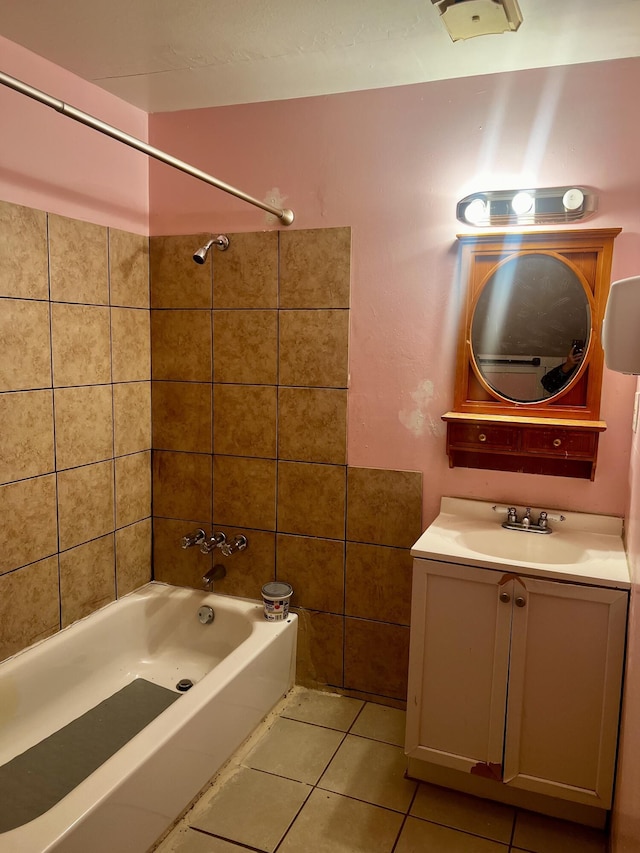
384, 507
245, 347
249, 570
315, 570
182, 416
130, 344
315, 268
174, 564
85, 503
24, 261
246, 274
29, 606
81, 345
319, 650
311, 499
29, 522
378, 583
181, 345
244, 423
87, 578
132, 417
176, 280
245, 492
26, 448
78, 259
182, 484
314, 348
133, 488
84, 425
128, 269
26, 361
312, 425
133, 556
376, 657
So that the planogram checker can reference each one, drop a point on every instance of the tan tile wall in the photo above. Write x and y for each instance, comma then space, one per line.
250, 377
75, 407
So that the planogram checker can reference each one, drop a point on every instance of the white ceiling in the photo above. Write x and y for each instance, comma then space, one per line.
164, 55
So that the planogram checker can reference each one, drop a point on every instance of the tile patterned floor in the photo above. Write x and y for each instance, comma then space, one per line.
325, 774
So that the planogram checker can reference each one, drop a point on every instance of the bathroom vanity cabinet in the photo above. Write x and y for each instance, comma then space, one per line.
515, 683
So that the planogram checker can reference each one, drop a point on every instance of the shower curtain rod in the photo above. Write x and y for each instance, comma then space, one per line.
285, 215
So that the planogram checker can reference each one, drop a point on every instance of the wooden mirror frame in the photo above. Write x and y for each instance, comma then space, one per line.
557, 435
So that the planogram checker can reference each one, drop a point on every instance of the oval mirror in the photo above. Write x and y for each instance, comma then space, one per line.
530, 328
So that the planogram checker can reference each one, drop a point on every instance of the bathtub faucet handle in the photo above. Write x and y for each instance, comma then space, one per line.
193, 538
238, 544
217, 540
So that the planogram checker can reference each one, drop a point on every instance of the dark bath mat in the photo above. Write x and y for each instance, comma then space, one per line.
33, 782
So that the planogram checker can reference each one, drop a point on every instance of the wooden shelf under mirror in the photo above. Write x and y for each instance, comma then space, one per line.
529, 358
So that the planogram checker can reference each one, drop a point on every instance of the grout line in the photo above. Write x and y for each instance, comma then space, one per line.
53, 414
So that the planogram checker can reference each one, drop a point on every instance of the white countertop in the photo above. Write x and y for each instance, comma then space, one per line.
584, 548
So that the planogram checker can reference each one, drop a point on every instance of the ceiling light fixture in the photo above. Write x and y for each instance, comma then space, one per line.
465, 19
502, 208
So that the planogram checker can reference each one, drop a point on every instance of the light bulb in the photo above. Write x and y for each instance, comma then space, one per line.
476, 212
522, 203
573, 199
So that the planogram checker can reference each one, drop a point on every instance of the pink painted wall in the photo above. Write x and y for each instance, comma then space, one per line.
52, 163
392, 163
626, 816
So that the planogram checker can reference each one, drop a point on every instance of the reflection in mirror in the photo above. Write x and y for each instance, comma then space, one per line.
530, 327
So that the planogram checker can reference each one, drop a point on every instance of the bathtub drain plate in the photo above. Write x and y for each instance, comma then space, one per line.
184, 684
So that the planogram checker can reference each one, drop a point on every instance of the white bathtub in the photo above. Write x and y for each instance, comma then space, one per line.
240, 665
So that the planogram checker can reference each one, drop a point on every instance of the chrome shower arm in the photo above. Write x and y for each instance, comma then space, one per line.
285, 215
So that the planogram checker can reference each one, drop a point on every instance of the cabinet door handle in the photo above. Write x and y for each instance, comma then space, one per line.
557, 442
520, 601
504, 596
482, 437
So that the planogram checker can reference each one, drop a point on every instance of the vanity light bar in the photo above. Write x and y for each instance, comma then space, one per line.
527, 206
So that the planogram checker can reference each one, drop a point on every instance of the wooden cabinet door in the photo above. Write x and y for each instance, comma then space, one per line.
567, 650
458, 666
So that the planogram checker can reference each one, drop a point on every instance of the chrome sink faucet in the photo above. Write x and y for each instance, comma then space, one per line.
527, 523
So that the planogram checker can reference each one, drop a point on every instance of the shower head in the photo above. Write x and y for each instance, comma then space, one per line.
221, 241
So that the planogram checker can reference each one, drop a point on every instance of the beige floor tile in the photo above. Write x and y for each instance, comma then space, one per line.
371, 771
329, 823
462, 811
419, 836
252, 808
381, 723
295, 750
322, 709
541, 834
187, 840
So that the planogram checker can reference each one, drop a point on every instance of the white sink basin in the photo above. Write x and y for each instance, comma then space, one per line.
583, 547
520, 546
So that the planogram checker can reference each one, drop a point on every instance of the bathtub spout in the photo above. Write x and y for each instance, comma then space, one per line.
214, 574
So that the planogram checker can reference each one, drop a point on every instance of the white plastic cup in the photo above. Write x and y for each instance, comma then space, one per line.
275, 596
